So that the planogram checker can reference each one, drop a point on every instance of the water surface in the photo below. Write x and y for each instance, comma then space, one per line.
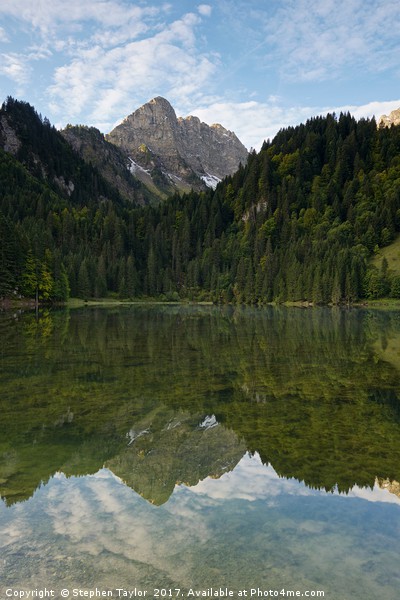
198, 447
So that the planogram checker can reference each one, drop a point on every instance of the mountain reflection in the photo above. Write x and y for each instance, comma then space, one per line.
169, 395
178, 452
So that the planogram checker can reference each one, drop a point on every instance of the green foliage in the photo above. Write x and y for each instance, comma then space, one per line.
299, 222
375, 285
10, 257
395, 287
30, 276
44, 280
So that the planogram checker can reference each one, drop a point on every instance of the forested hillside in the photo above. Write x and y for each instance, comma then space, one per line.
47, 192
300, 221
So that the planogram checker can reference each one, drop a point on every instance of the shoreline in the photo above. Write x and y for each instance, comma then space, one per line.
7, 304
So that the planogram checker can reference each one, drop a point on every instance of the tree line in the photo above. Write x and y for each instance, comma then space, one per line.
299, 222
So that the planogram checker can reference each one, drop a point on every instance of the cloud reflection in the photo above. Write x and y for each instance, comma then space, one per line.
96, 521
252, 480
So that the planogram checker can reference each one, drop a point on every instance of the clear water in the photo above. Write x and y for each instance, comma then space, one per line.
199, 448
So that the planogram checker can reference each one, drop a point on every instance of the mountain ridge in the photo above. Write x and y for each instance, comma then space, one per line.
92, 146
185, 150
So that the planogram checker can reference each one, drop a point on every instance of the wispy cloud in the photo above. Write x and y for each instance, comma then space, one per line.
110, 79
316, 40
109, 55
3, 36
49, 16
15, 68
96, 61
205, 10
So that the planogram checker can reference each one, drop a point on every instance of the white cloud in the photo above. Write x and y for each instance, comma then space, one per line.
111, 55
376, 494
48, 15
205, 10
3, 36
15, 67
250, 480
315, 41
253, 122
38, 52
105, 518
103, 80
367, 111
75, 36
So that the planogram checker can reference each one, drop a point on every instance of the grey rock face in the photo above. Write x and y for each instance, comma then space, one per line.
210, 149
8, 138
181, 147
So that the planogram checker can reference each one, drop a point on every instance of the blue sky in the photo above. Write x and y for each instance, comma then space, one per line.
254, 66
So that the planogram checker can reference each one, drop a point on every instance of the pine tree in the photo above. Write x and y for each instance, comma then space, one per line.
8, 257
30, 278
61, 289
83, 284
131, 278
100, 288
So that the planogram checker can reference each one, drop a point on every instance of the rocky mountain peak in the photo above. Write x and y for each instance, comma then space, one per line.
392, 119
154, 112
161, 102
186, 151
153, 121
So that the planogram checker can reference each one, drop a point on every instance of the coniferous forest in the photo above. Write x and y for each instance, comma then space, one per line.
299, 222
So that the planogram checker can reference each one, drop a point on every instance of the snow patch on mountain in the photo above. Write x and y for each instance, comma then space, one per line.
210, 180
133, 167
209, 422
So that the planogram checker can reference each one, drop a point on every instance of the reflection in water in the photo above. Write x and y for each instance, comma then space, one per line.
249, 528
178, 452
311, 391
208, 438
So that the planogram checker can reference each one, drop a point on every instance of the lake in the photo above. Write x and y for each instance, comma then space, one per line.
199, 451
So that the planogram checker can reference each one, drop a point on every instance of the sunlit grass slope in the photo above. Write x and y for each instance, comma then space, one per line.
392, 255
